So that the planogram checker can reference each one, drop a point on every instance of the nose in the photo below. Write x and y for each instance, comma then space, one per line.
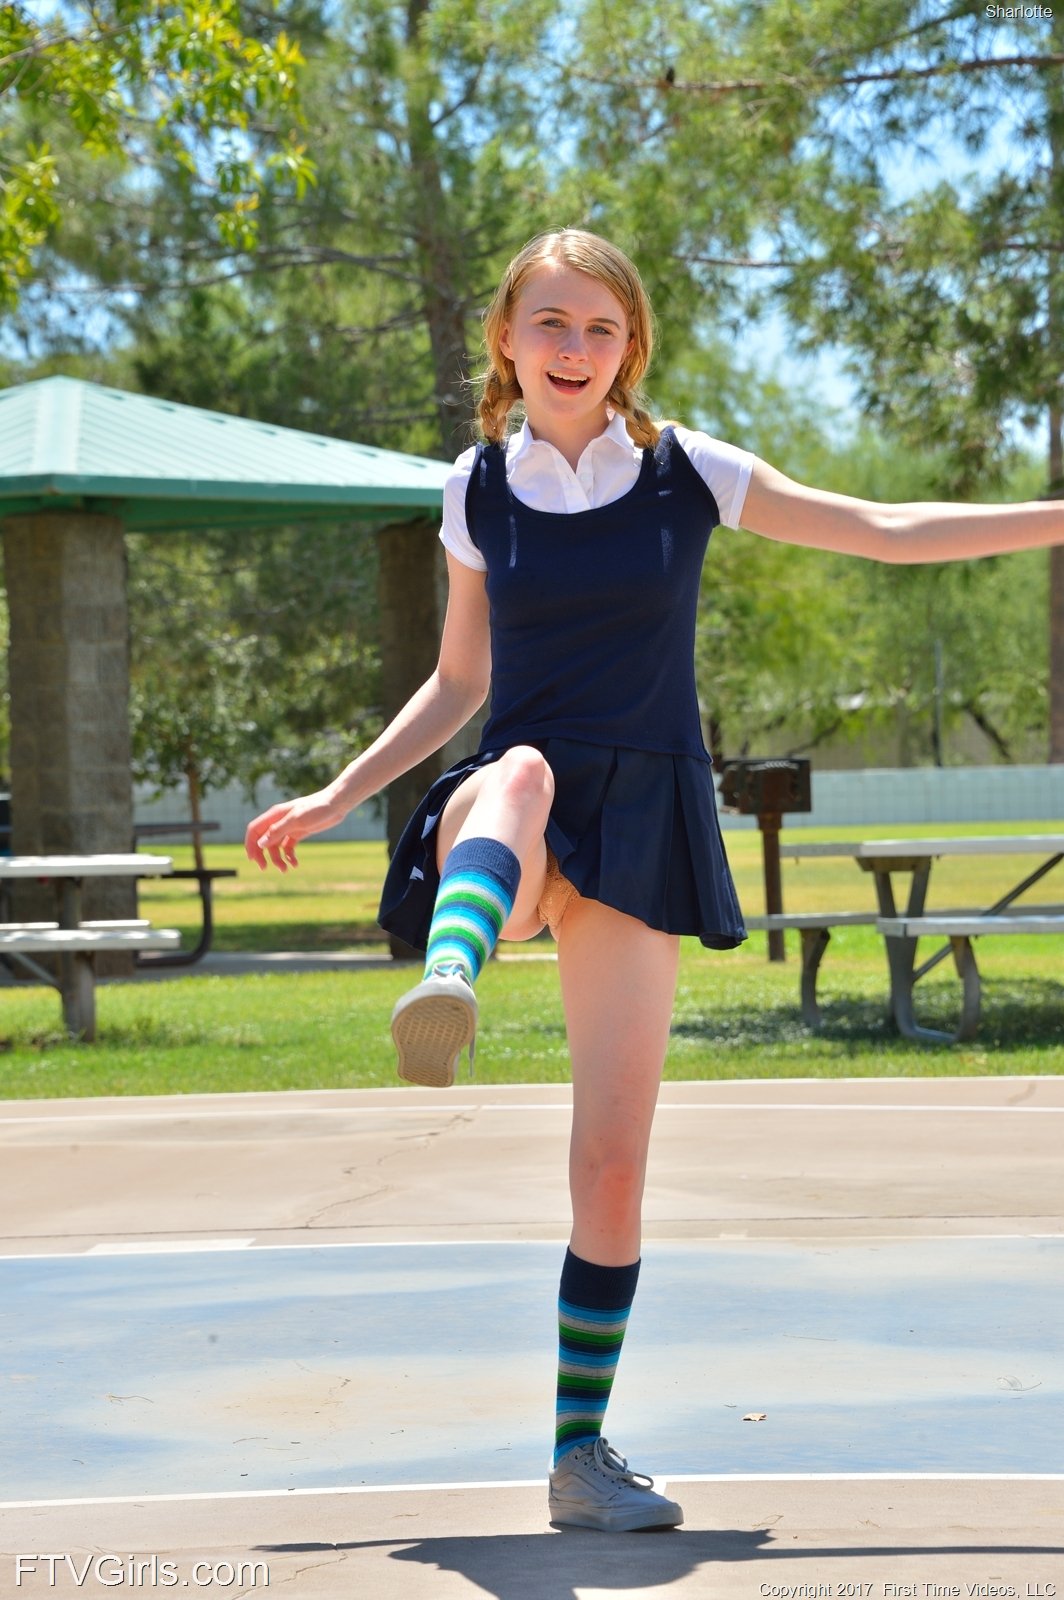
573, 345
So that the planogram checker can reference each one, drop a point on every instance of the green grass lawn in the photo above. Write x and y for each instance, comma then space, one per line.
736, 1015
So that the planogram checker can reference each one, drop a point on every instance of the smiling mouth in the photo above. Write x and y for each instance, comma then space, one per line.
568, 383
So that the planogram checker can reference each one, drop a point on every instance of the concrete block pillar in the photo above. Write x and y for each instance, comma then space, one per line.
71, 787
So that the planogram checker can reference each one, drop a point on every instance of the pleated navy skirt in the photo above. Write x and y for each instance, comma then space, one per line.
634, 829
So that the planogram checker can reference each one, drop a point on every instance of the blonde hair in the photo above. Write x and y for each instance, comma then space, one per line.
584, 252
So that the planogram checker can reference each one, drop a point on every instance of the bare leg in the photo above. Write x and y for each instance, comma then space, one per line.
508, 801
618, 980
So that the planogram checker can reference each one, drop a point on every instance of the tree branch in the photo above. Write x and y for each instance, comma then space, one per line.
986, 727
814, 80
468, 94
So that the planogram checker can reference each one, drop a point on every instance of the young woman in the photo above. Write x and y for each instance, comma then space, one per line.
574, 548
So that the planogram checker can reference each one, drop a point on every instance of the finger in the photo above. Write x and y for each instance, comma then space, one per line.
290, 850
257, 833
274, 853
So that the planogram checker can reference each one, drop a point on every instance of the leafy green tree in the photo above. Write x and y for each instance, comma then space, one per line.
797, 146
137, 80
736, 151
249, 658
357, 311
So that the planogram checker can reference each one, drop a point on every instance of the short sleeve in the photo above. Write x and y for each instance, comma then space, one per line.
454, 531
724, 468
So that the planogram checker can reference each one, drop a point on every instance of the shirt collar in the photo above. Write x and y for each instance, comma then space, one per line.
615, 432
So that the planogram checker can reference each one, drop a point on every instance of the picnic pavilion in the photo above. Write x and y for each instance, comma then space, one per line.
80, 466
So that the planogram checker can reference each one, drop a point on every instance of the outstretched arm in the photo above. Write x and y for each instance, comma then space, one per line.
433, 714
792, 513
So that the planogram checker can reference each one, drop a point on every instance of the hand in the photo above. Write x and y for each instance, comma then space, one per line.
277, 831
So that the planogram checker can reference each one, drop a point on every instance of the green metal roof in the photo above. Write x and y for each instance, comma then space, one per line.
159, 465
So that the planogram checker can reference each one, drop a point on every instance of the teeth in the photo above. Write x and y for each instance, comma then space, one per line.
569, 377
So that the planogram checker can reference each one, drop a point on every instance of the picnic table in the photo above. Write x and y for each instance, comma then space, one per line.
204, 876
73, 940
902, 928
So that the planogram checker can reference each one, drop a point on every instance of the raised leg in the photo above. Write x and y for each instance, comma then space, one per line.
492, 861
508, 801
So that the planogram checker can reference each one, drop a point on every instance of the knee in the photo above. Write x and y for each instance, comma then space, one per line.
525, 776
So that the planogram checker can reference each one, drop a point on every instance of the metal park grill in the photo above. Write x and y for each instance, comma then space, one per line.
768, 789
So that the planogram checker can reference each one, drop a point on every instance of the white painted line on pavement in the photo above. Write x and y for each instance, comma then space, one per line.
702, 1242
145, 1247
449, 1109
532, 1483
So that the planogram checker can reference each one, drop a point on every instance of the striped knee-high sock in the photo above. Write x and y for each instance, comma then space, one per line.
593, 1307
478, 886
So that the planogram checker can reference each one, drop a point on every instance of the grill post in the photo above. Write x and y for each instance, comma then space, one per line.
767, 789
770, 823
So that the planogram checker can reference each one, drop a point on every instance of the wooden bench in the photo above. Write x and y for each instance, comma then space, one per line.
76, 949
814, 927
815, 930
41, 927
960, 928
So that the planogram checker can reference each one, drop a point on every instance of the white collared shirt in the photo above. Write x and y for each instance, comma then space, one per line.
540, 476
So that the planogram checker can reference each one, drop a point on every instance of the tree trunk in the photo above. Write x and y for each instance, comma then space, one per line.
195, 809
1055, 353
410, 626
1056, 633
437, 244
412, 590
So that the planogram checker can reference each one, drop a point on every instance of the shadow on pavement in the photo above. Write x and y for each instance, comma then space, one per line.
559, 1563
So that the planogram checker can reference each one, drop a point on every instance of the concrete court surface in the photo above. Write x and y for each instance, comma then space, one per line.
212, 1308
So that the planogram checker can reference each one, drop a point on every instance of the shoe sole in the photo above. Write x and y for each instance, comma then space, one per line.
613, 1522
430, 1033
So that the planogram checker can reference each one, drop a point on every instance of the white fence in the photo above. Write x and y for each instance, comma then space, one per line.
232, 810
883, 796
874, 797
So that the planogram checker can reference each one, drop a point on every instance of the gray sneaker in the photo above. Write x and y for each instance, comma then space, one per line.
591, 1487
432, 1024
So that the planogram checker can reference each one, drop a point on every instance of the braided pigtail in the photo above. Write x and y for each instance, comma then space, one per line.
626, 399
499, 394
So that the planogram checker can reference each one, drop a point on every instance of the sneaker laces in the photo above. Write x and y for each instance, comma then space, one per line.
455, 969
450, 969
610, 1460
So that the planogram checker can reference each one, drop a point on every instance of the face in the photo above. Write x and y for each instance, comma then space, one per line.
567, 338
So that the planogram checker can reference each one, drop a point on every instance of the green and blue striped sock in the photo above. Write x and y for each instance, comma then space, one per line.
593, 1307
478, 886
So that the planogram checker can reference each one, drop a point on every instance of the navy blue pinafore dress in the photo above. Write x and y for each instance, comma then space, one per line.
592, 648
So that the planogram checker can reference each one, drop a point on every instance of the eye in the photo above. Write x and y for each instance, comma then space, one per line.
607, 331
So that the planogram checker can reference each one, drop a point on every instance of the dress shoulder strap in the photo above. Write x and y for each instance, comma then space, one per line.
672, 464
486, 489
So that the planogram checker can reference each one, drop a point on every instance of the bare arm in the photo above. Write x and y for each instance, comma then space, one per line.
921, 531
444, 703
